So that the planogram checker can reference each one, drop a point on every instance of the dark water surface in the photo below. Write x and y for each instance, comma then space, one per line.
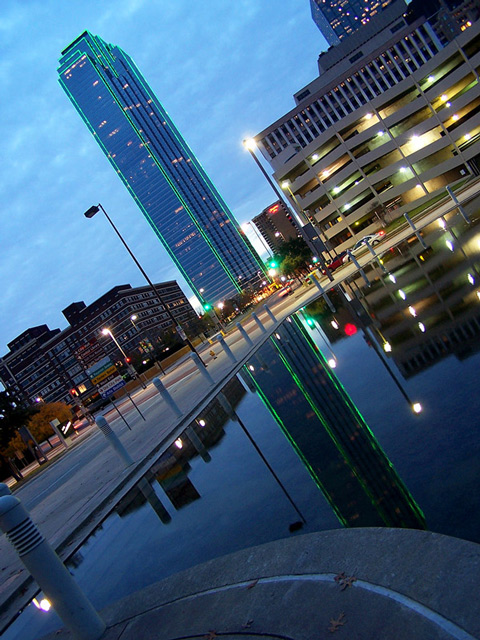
293, 446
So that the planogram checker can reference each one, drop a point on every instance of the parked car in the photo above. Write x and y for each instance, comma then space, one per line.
372, 239
335, 263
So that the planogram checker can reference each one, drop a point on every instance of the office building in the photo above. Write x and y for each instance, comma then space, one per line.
338, 19
276, 225
42, 362
392, 120
159, 170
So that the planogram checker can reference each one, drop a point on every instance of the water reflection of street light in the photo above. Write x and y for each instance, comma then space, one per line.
94, 210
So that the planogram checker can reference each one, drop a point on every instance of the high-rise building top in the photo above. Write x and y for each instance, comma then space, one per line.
337, 19
276, 225
156, 165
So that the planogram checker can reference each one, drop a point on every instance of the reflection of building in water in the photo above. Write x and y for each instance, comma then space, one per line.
328, 433
177, 485
172, 468
436, 287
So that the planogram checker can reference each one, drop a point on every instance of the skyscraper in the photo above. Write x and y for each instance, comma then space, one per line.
337, 19
158, 168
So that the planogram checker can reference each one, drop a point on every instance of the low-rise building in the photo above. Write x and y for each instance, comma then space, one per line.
42, 363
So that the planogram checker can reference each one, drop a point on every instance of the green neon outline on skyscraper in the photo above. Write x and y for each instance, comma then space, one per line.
192, 234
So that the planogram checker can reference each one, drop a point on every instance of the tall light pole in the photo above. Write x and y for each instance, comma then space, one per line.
251, 145
130, 367
94, 210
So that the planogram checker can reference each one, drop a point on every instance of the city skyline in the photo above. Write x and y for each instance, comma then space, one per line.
220, 84
154, 162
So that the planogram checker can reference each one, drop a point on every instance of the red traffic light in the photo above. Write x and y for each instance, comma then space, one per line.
350, 329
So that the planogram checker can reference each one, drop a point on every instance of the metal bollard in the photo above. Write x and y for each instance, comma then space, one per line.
415, 230
375, 255
360, 270
51, 575
4, 490
244, 334
269, 313
162, 390
113, 440
201, 368
197, 444
226, 348
324, 295
255, 317
459, 206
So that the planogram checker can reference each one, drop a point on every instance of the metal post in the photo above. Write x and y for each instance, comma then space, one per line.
113, 440
375, 255
49, 572
221, 341
360, 270
269, 313
459, 206
162, 390
415, 230
201, 367
197, 444
244, 334
322, 292
257, 320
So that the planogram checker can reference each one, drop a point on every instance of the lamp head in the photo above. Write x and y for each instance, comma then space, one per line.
91, 212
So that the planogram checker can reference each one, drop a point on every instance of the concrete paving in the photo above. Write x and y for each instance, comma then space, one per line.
366, 584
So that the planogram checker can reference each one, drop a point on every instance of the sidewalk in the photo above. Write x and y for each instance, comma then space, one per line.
369, 584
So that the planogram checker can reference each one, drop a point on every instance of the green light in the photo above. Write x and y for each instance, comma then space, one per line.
207, 306
272, 264
310, 322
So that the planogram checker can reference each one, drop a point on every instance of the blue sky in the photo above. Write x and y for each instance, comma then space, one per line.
223, 70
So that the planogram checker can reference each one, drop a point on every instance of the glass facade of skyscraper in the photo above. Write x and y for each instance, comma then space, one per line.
339, 18
156, 165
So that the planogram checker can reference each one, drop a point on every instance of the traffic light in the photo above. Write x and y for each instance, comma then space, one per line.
273, 264
350, 329
314, 259
207, 306
73, 392
128, 360
310, 322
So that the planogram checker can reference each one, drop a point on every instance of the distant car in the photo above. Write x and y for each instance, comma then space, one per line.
285, 291
335, 263
372, 239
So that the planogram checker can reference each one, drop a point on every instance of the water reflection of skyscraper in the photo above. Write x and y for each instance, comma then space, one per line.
328, 433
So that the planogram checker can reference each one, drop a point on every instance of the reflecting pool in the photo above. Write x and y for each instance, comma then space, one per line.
317, 431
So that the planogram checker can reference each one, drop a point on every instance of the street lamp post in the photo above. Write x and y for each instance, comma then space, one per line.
126, 359
251, 145
94, 210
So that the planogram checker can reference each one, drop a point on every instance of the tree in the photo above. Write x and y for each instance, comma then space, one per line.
294, 255
12, 415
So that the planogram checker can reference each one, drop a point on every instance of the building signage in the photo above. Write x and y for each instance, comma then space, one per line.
100, 369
